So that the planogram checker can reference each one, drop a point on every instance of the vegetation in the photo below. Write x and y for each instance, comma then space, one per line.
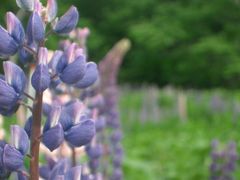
170, 149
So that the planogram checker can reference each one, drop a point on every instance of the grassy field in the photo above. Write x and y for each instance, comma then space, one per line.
172, 149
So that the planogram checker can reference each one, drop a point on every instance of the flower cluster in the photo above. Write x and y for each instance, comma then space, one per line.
50, 124
223, 162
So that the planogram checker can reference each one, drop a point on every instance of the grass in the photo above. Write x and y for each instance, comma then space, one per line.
171, 149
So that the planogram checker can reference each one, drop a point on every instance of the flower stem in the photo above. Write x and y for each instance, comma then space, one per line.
36, 132
73, 157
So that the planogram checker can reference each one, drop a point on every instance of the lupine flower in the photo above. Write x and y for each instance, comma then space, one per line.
62, 169
35, 29
11, 88
41, 77
46, 169
90, 76
25, 4
13, 155
71, 68
51, 10
67, 22
8, 46
53, 134
77, 132
15, 28
223, 162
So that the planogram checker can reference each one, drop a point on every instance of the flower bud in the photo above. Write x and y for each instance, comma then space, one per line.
15, 28
25, 4
90, 76
41, 77
35, 28
51, 9
80, 134
67, 22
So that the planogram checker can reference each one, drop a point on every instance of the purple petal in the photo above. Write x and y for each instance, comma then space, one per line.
8, 45
54, 61
90, 76
42, 56
52, 117
62, 64
14, 76
12, 158
51, 9
70, 52
94, 152
35, 29
8, 96
28, 126
80, 134
25, 4
67, 22
73, 173
74, 71
60, 168
53, 138
41, 78
65, 120
15, 28
47, 108
44, 172
19, 139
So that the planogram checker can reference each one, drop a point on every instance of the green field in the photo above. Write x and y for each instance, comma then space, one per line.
171, 149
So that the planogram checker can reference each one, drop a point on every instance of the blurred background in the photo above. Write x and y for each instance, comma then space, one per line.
179, 83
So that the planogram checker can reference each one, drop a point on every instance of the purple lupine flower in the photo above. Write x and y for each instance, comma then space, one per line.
95, 151
73, 173
8, 46
15, 28
117, 174
4, 173
90, 76
71, 67
45, 170
19, 139
35, 29
81, 133
67, 22
51, 10
25, 4
53, 134
41, 77
60, 168
54, 61
78, 131
28, 126
13, 155
11, 88
223, 162
100, 124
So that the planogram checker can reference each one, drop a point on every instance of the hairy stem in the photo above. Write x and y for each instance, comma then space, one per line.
36, 132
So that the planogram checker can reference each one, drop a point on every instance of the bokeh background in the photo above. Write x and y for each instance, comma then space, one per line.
179, 83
